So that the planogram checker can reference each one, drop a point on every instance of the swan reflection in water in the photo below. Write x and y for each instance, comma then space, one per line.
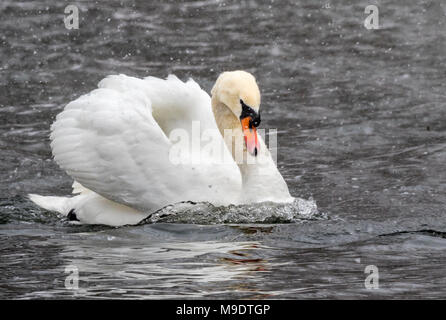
163, 270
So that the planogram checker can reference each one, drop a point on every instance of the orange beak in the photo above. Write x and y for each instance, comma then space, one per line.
250, 133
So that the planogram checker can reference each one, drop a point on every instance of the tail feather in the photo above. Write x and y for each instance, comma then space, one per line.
58, 204
90, 208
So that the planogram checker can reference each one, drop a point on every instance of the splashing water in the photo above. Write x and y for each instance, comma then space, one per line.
265, 212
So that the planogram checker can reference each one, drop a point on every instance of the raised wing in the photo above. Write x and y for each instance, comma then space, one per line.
115, 142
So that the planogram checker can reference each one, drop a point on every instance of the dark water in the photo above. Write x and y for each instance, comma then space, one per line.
361, 116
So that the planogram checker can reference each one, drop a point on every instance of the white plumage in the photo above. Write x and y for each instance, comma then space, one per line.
114, 142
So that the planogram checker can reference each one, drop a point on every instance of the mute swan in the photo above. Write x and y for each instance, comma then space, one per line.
116, 143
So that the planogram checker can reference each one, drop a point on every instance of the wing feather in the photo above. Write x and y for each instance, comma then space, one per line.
114, 141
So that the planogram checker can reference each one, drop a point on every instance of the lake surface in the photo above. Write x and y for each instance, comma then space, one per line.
361, 120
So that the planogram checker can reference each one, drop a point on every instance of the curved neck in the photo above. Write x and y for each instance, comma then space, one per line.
260, 178
229, 127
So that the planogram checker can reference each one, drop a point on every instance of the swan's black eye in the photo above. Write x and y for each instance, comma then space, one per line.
256, 121
247, 111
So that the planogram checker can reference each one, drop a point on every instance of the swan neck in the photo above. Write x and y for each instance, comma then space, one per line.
261, 181
224, 117
229, 127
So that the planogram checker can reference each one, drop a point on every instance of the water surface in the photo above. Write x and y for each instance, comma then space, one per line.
361, 117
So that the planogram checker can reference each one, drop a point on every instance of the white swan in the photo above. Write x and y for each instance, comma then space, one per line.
116, 143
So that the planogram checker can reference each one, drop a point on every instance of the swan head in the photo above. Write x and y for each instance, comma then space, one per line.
239, 92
